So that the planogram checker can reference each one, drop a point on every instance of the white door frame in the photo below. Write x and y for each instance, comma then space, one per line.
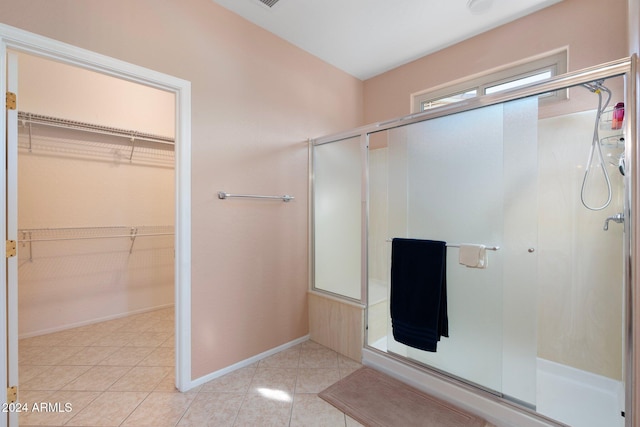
23, 41
11, 228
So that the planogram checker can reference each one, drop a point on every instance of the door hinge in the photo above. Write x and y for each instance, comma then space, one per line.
11, 248
11, 101
12, 394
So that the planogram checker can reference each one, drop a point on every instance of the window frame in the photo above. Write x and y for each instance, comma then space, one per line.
555, 62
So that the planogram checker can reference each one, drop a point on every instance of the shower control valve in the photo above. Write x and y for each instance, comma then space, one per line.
618, 218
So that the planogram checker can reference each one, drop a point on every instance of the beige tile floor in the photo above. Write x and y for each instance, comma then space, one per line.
121, 373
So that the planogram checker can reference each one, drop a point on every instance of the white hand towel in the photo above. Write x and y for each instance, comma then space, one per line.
473, 256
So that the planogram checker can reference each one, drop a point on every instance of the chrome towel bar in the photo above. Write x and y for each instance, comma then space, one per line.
457, 245
223, 195
489, 248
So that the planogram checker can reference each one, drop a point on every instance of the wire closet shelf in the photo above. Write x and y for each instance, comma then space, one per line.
28, 236
69, 137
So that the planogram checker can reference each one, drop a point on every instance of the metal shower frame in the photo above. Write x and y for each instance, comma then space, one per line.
626, 67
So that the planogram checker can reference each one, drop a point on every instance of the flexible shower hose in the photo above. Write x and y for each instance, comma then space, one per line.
597, 88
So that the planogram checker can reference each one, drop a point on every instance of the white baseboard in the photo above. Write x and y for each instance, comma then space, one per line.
245, 363
92, 321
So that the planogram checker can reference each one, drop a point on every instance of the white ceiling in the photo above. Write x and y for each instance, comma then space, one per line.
368, 37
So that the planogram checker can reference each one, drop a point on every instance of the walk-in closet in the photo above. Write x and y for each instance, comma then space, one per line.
95, 197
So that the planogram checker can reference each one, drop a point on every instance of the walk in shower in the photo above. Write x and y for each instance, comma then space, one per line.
544, 324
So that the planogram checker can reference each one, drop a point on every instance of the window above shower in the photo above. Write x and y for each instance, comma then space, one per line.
510, 77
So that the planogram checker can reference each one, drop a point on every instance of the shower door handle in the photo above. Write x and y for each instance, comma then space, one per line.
618, 218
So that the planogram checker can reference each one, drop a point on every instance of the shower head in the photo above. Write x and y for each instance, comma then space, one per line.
596, 86
590, 86
477, 7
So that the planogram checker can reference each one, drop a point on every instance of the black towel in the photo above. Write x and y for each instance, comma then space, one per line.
419, 292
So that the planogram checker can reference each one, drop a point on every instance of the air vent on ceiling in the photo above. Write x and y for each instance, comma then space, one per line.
269, 3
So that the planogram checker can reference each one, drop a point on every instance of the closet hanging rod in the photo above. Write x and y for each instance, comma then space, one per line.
457, 245
55, 239
63, 234
223, 195
80, 233
38, 119
94, 228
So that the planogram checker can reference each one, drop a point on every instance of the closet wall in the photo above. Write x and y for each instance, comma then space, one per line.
80, 184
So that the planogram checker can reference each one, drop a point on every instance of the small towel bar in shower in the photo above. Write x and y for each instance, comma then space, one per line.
457, 245
223, 195
489, 248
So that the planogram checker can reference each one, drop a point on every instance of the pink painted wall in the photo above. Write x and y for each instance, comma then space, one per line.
255, 101
594, 34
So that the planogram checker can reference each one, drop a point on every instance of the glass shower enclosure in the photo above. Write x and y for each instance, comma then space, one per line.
486, 194
544, 323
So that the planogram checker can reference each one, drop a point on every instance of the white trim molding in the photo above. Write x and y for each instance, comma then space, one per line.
12, 38
247, 362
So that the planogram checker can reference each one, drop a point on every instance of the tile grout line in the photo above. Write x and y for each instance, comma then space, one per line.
244, 397
80, 348
309, 350
295, 387
134, 409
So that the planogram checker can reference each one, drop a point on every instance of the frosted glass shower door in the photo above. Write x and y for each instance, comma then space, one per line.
470, 178
337, 211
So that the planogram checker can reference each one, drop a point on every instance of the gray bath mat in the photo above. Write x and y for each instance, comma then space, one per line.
377, 400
